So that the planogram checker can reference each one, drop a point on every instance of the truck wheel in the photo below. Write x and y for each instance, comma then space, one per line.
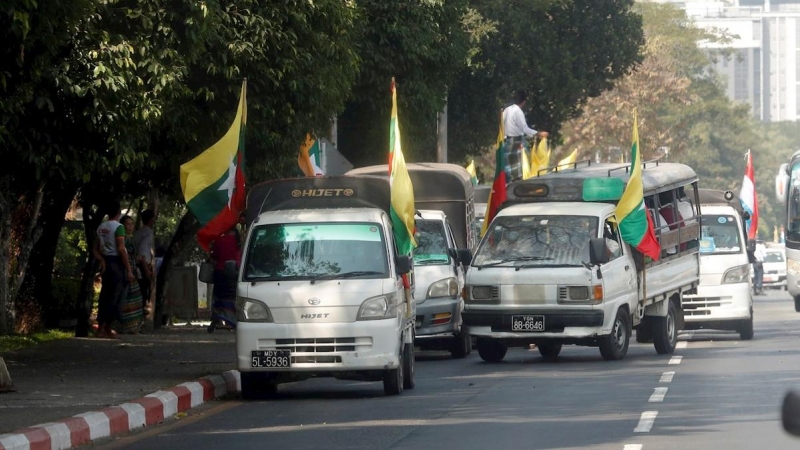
797, 303
462, 344
549, 350
491, 351
665, 331
408, 367
745, 328
615, 346
257, 386
393, 378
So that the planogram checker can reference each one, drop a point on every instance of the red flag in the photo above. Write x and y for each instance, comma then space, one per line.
498, 194
748, 197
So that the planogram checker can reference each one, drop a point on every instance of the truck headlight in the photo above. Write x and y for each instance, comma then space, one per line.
381, 307
738, 274
249, 310
443, 288
578, 293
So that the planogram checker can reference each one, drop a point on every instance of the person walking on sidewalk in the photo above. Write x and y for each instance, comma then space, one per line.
144, 243
109, 250
130, 309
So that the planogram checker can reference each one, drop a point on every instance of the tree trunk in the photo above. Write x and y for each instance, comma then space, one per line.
153, 203
91, 220
39, 281
186, 231
5, 257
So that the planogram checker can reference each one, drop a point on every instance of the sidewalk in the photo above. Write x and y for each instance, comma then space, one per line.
58, 380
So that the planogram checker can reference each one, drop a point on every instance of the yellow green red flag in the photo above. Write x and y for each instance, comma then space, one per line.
402, 191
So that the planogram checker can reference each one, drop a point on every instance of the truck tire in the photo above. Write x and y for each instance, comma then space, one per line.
797, 303
549, 350
615, 346
408, 367
665, 331
393, 381
491, 351
745, 328
462, 344
257, 386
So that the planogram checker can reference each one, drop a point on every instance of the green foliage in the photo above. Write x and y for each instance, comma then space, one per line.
71, 252
17, 342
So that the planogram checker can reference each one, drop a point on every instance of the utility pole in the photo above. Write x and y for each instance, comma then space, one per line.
441, 135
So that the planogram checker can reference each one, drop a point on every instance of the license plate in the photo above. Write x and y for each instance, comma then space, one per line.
271, 358
527, 323
767, 278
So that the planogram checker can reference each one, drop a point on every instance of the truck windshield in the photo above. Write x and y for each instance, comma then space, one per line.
431, 243
532, 241
316, 251
720, 234
773, 257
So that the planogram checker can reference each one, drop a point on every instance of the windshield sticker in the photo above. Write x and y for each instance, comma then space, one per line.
707, 245
722, 219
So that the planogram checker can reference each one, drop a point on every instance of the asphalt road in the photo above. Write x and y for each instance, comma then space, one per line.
715, 392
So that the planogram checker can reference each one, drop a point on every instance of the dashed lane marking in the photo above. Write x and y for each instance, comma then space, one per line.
676, 360
632, 447
666, 377
646, 422
682, 344
658, 395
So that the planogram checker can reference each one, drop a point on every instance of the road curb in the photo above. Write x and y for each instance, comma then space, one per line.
149, 410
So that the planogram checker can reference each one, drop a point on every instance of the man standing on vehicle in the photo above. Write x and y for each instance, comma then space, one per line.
516, 129
758, 269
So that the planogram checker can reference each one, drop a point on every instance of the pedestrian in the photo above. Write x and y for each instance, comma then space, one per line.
109, 250
131, 307
516, 130
144, 240
225, 248
758, 269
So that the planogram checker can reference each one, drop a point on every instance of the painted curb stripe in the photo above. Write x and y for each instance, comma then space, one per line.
149, 410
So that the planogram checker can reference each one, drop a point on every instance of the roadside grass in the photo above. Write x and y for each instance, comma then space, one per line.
16, 342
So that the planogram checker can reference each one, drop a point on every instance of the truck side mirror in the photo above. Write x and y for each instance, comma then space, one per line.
403, 264
451, 252
746, 215
464, 256
598, 251
231, 271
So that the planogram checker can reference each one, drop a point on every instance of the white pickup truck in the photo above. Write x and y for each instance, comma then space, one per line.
551, 269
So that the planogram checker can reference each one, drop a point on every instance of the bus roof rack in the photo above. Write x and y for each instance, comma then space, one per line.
556, 168
628, 166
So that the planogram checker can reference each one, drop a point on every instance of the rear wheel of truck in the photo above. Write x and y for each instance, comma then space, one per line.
393, 378
408, 367
797, 303
491, 351
665, 331
745, 328
615, 346
257, 386
462, 344
549, 350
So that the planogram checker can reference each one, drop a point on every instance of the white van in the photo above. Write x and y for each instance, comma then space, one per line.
319, 291
775, 267
724, 297
552, 270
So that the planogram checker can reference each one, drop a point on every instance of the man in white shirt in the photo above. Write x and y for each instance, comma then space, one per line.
758, 269
516, 130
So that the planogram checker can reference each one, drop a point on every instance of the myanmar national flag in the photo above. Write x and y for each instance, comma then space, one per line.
473, 175
213, 183
402, 208
310, 157
498, 193
635, 224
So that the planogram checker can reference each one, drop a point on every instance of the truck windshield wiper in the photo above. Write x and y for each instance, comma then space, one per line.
423, 261
515, 259
353, 274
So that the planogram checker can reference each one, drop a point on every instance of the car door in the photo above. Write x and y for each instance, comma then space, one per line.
619, 273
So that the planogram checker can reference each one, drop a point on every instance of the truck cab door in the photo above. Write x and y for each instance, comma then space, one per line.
619, 273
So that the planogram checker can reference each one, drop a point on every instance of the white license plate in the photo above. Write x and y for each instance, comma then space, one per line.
768, 278
271, 358
527, 323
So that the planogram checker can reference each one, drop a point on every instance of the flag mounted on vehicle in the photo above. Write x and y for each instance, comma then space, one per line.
747, 196
310, 157
473, 175
540, 157
498, 193
635, 223
213, 183
402, 192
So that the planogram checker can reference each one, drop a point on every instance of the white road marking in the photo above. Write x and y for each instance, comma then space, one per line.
632, 447
682, 344
658, 395
666, 377
676, 360
646, 422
